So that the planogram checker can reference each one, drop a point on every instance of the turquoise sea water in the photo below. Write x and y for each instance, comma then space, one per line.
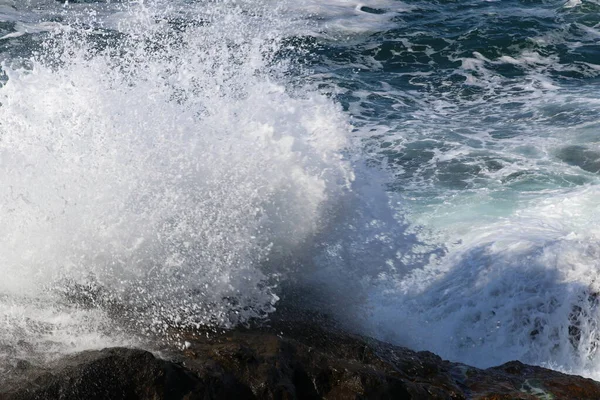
424, 171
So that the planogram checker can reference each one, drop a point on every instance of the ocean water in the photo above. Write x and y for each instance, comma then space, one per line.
426, 172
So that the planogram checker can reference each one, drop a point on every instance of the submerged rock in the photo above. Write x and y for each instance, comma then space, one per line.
289, 360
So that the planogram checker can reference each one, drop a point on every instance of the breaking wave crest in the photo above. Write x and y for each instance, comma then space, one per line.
159, 172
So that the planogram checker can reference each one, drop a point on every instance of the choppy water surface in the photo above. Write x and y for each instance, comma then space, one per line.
425, 171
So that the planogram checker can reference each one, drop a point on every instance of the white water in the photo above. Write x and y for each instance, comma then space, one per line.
168, 177
525, 287
164, 179
507, 269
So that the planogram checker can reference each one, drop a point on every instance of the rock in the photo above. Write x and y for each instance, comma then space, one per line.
115, 373
287, 360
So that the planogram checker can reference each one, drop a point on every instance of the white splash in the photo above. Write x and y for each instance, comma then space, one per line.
526, 288
157, 177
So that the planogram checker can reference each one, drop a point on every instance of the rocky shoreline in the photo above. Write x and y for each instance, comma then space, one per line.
306, 358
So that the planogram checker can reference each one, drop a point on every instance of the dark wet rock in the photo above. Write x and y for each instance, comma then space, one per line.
116, 373
515, 380
286, 360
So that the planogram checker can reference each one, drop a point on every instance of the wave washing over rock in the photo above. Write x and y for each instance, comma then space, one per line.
289, 359
404, 168
158, 171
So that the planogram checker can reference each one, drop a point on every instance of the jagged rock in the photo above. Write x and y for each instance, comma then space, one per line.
288, 360
116, 373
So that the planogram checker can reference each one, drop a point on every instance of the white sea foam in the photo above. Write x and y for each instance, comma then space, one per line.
341, 18
526, 287
160, 171
572, 3
507, 238
160, 180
